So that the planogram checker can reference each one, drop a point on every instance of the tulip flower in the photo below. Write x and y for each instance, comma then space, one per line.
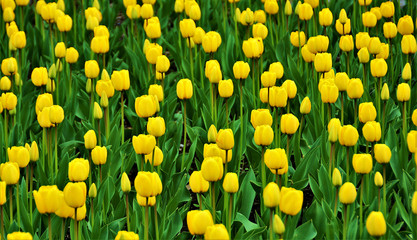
75, 195
216, 232
19, 235
198, 221
375, 224
126, 235
291, 201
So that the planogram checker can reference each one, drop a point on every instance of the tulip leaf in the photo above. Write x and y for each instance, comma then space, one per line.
248, 225
315, 188
246, 194
254, 233
402, 210
305, 231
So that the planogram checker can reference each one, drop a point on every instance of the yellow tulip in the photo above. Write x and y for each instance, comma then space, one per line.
291, 201
362, 163
216, 232
336, 177
378, 180
211, 42
259, 30
241, 70
146, 106
403, 92
91, 69
367, 112
75, 194
231, 183
375, 224
197, 183
56, 114
212, 169
72, 55
271, 195
198, 221
47, 199
225, 88
323, 62
347, 193
408, 44
143, 144
78, 170
325, 17
99, 155
341, 28
362, 40
19, 236
275, 159
264, 135
148, 184
10, 173
157, 160
346, 43
261, 117
372, 131
184, 89
348, 136
305, 12
405, 25
355, 88
126, 235
90, 139
20, 155
387, 9
390, 29
289, 123
298, 39
125, 183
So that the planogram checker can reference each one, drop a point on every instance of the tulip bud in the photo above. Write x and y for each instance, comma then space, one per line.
212, 134
261, 117
403, 92
148, 184
325, 17
99, 155
212, 169
5, 84
92, 69
20, 155
75, 194
305, 12
336, 177
197, 183
414, 117
291, 201
92, 192
231, 183
390, 30
347, 193
414, 203
8, 101
362, 163
241, 70
146, 106
184, 89
363, 55
104, 100
187, 28
264, 135
298, 39
125, 183
375, 224
405, 25
226, 88
276, 159
288, 8
305, 106
259, 30
378, 180
289, 124
198, 221
157, 159
211, 42
143, 144
387, 9
60, 50
271, 195
355, 88
259, 15
406, 75
323, 62
156, 126
346, 43
348, 136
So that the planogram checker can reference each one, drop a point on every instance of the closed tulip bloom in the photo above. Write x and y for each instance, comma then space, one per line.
377, 12
323, 62
307, 55
100, 44
145, 201
90, 139
384, 53
318, 44
11, 29
197, 183
46, 199
346, 43
148, 184
364, 2
125, 183
259, 30
152, 52
199, 35
348, 136
99, 155
212, 134
305, 12
162, 64
403, 92
126, 235
260, 117
241, 70
289, 123
145, 106
146, 11
92, 22
231, 183
56, 114
387, 9
363, 39
278, 97
277, 68
374, 46
336, 177
9, 66
390, 29
347, 193
10, 173
343, 16
247, 17
19, 236
91, 68
291, 201
143, 144
305, 106
213, 71
120, 80
264, 135
375, 224
198, 221
60, 50
363, 55
355, 88
195, 12
133, 11
414, 203
362, 163
271, 6
253, 47
43, 118
3, 196
184, 89
313, 3
382, 153
39, 76
43, 100
367, 112
212, 150
259, 16
64, 23
92, 192
288, 8
343, 29
329, 92
179, 6
226, 88
153, 28
333, 128
414, 117
216, 232
264, 94
408, 44
5, 84
156, 126
298, 41
275, 159
72, 55
18, 39
378, 180
212, 169
75, 194
412, 141
8, 100
406, 74
211, 42
20, 155
341, 80
271, 195
268, 79
78, 170
33, 151
325, 17
405, 25
225, 139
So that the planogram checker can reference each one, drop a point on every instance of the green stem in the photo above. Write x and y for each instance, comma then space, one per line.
122, 112
241, 125
31, 193
345, 223
384, 194
191, 61
383, 121
127, 212
342, 112
184, 104
331, 160
288, 155
263, 171
17, 205
58, 80
75, 224
360, 209
200, 68
271, 233
335, 204
146, 221
11, 203
200, 202
49, 227
347, 163
1, 222
107, 123
52, 44
230, 210
156, 222
213, 201
56, 152
404, 117
6, 135
227, 114
63, 229
253, 83
211, 101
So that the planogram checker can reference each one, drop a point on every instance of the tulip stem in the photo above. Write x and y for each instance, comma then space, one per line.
404, 117
99, 132
99, 169
127, 212
89, 169
213, 201
6, 135
331, 160
241, 124
347, 164
227, 115
146, 220
230, 211
253, 84
17, 205
289, 156
383, 121
191, 61
1, 222
200, 202
342, 112
156, 222
56, 152
63, 229
31, 192
184, 148
122, 113
272, 35
52, 44
271, 233
75, 224
335, 204
379, 99
263, 172
299, 44
345, 222
379, 199
49, 227
106, 123
384, 188
11, 204
361, 209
